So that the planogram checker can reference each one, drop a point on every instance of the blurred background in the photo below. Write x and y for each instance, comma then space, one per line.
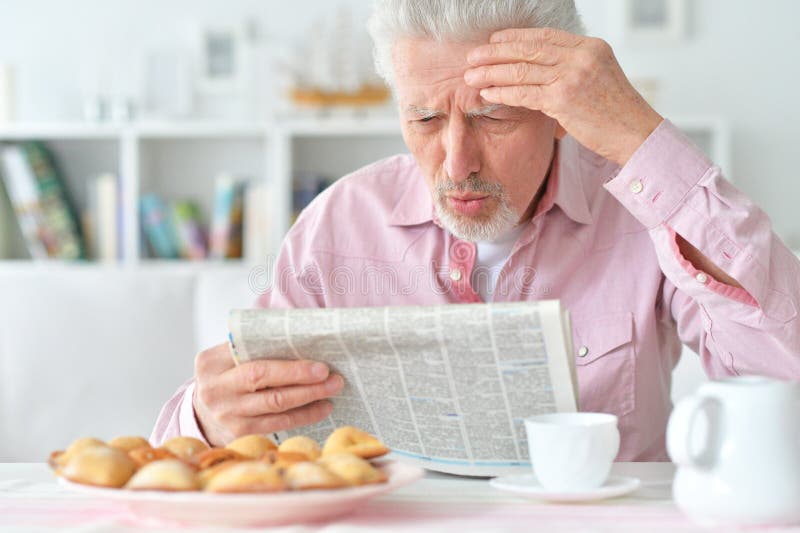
160, 118
153, 153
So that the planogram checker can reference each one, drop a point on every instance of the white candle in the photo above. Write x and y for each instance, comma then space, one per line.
6, 93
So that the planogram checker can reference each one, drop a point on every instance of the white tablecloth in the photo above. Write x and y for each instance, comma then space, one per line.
30, 500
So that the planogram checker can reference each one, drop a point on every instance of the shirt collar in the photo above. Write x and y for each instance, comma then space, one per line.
566, 183
415, 205
565, 188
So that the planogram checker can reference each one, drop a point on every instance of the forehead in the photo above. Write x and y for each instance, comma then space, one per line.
428, 72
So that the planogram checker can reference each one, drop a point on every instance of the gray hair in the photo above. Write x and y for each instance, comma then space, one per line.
460, 21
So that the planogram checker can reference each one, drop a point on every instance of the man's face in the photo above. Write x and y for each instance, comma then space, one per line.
483, 163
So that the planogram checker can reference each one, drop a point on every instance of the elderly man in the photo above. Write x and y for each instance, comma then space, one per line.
536, 171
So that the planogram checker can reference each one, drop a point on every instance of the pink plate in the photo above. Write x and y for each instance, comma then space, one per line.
238, 510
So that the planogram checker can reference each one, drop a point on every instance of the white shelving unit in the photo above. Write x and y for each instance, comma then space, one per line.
182, 159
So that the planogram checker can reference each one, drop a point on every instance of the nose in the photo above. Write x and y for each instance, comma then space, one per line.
462, 156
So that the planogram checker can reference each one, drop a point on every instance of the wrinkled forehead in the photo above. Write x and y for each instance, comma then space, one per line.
423, 65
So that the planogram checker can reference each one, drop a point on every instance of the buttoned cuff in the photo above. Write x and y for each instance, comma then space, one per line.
655, 181
186, 417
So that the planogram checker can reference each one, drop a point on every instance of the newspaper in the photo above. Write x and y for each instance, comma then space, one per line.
446, 387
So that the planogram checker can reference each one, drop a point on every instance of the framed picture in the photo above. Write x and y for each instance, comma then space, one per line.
713, 136
653, 21
221, 58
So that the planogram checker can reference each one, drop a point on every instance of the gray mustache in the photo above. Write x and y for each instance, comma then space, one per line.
473, 183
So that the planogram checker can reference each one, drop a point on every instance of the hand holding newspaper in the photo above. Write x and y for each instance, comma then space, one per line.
446, 387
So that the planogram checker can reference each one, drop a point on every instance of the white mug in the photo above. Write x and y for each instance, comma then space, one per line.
737, 446
572, 452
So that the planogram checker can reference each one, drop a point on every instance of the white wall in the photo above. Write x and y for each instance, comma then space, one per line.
739, 62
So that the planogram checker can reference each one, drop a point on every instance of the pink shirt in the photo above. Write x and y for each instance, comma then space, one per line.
603, 241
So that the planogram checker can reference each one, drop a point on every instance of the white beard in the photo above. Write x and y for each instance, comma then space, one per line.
503, 219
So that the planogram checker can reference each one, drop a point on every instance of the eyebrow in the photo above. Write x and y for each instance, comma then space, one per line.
485, 110
424, 112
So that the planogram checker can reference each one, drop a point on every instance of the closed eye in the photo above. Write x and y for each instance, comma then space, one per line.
427, 119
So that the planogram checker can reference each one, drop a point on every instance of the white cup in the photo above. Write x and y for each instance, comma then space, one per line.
572, 452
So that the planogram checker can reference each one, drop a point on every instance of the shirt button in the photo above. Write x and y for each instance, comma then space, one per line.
701, 277
455, 274
636, 187
583, 351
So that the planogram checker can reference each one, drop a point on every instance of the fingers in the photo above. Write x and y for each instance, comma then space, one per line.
551, 35
277, 400
511, 74
256, 375
214, 360
531, 51
530, 96
301, 416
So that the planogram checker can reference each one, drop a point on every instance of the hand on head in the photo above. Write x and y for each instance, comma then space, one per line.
571, 78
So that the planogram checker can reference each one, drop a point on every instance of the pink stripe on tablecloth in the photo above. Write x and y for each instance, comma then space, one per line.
493, 515
63, 513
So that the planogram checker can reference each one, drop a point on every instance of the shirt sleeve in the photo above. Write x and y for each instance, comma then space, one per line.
672, 188
177, 417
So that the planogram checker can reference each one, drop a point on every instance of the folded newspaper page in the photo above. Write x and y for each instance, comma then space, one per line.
446, 387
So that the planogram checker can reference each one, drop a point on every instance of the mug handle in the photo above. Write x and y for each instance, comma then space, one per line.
681, 427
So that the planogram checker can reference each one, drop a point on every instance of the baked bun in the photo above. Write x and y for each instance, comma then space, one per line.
185, 447
353, 469
247, 476
283, 460
252, 446
143, 456
348, 439
307, 475
215, 456
100, 466
59, 459
167, 474
302, 444
127, 444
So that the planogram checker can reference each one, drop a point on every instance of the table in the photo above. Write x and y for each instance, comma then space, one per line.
30, 500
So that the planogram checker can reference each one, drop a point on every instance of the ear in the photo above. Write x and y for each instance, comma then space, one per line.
560, 131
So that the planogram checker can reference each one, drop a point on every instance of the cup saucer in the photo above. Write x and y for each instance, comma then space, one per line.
527, 486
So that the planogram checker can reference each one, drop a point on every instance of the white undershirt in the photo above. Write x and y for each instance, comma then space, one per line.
491, 256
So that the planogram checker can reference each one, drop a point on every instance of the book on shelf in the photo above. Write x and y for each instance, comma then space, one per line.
256, 222
306, 186
187, 221
102, 218
42, 206
157, 227
226, 221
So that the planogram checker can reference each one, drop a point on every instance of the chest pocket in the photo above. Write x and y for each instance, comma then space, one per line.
605, 360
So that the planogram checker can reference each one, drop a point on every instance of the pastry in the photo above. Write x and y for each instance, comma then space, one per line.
252, 446
282, 460
353, 469
215, 456
348, 439
127, 444
142, 456
185, 447
101, 466
247, 476
59, 459
308, 475
301, 444
205, 475
167, 474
